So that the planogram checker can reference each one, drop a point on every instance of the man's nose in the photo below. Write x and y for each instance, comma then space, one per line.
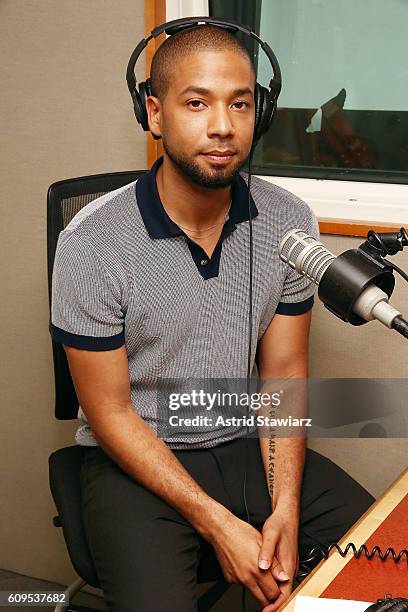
220, 122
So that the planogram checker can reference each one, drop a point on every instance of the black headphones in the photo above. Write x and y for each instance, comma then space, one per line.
265, 99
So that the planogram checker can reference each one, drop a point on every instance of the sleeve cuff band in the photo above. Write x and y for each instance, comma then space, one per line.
89, 343
295, 308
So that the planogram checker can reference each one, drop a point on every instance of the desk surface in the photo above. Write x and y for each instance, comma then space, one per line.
327, 570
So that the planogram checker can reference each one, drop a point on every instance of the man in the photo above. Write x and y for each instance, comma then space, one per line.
151, 281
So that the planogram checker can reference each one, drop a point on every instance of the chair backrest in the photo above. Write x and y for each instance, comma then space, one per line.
64, 200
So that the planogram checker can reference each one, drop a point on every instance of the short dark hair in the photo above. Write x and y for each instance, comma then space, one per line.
192, 39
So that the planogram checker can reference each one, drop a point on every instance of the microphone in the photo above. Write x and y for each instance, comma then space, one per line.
354, 286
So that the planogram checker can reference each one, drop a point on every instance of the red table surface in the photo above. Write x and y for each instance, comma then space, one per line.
365, 580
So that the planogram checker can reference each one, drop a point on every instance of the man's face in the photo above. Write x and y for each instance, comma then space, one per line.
207, 117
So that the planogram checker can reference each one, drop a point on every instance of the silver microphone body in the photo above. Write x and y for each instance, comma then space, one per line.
310, 258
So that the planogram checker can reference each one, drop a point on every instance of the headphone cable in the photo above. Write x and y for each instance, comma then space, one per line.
249, 349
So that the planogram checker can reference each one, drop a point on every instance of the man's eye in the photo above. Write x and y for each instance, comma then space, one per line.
195, 103
242, 102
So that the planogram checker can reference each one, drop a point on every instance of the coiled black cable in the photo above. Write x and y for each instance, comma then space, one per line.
317, 553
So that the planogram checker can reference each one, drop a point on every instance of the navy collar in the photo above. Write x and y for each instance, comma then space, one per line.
157, 222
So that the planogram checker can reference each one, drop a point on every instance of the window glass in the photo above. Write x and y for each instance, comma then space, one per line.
343, 109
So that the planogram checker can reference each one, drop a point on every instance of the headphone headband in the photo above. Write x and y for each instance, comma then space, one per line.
265, 100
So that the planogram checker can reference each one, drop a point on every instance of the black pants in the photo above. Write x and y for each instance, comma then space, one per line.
146, 554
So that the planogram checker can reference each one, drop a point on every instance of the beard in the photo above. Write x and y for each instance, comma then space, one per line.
211, 179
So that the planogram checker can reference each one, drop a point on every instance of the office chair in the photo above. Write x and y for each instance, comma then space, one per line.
64, 200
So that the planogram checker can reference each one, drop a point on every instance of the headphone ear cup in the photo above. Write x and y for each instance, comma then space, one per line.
136, 104
145, 90
259, 103
143, 86
271, 103
264, 111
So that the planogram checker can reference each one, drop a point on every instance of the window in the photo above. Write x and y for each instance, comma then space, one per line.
343, 109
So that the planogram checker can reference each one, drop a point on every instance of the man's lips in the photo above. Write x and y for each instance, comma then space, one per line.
220, 157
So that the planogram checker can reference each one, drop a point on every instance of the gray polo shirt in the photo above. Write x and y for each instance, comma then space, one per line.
125, 273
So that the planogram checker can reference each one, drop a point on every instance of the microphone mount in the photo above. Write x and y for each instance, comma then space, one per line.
355, 270
379, 244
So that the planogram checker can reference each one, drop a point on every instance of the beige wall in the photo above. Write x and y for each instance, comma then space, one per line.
339, 350
65, 111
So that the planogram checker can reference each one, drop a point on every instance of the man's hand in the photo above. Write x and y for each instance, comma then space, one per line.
237, 546
279, 551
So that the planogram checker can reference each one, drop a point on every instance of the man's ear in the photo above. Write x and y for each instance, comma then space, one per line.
153, 110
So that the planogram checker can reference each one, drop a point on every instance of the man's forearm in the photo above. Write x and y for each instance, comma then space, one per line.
283, 448
134, 446
285, 483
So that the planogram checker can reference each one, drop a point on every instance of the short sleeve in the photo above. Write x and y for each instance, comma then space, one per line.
86, 309
297, 296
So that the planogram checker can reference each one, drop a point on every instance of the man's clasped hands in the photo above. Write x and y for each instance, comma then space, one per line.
265, 563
